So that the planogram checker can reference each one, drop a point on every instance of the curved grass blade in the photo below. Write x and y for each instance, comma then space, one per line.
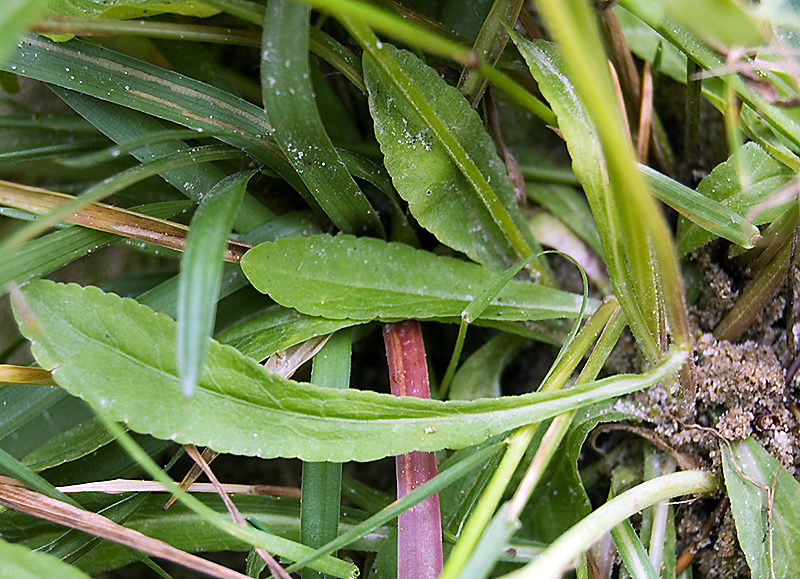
120, 357
442, 160
368, 279
290, 103
556, 558
201, 274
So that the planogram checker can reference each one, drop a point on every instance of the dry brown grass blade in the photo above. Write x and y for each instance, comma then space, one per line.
188, 481
273, 565
118, 486
10, 374
645, 115
108, 218
14, 496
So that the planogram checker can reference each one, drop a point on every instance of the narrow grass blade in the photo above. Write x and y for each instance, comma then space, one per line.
489, 45
24, 375
322, 481
41, 506
121, 359
274, 544
117, 183
290, 103
436, 484
716, 218
201, 275
616, 192
123, 125
106, 218
557, 557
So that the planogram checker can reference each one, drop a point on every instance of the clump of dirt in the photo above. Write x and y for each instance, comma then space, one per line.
742, 391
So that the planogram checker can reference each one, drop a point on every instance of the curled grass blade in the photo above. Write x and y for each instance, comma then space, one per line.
290, 103
201, 274
557, 557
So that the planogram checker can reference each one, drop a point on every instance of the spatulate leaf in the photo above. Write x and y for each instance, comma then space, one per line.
367, 279
120, 356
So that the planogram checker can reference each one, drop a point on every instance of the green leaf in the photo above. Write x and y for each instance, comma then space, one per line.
746, 178
290, 102
15, 17
443, 162
275, 329
726, 22
124, 9
201, 274
71, 444
561, 500
367, 279
479, 376
764, 499
19, 561
120, 356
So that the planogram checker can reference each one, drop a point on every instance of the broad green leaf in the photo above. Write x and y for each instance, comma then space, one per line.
275, 329
745, 179
443, 162
19, 561
201, 273
290, 103
367, 279
764, 499
129, 8
120, 356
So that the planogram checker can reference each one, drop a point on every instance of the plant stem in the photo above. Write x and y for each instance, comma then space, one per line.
419, 537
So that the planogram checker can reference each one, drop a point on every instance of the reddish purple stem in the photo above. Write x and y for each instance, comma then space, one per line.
419, 541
